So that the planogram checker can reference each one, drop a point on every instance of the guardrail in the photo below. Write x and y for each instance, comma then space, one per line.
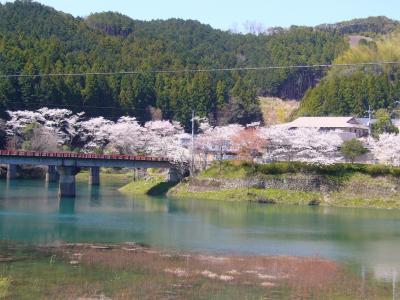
20, 153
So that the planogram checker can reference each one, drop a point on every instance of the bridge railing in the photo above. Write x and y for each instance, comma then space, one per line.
20, 153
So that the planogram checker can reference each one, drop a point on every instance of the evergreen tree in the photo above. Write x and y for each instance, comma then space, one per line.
383, 124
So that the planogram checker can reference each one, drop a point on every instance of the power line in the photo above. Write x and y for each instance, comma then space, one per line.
211, 70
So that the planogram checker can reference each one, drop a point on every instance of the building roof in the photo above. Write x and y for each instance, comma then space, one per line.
326, 122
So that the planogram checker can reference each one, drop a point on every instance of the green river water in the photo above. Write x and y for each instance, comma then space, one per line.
31, 212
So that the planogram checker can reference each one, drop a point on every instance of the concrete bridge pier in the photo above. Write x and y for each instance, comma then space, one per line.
173, 175
11, 172
67, 184
52, 175
94, 176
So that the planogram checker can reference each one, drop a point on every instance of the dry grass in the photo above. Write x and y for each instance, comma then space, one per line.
276, 110
165, 275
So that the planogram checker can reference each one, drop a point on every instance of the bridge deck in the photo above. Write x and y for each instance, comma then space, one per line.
17, 157
37, 154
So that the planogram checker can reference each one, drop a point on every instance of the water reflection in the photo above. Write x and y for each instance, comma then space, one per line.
94, 193
67, 206
369, 238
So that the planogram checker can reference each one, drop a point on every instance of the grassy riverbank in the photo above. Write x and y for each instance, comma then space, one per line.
267, 196
107, 176
342, 185
132, 271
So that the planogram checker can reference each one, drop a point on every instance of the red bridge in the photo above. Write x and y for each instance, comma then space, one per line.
63, 166
80, 155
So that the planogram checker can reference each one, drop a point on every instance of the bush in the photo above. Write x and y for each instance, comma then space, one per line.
396, 172
278, 168
377, 170
352, 149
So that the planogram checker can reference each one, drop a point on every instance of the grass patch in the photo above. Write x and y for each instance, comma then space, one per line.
110, 178
273, 196
5, 284
153, 186
367, 191
241, 169
230, 170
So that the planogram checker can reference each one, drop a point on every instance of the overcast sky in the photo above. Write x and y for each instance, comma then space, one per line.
227, 14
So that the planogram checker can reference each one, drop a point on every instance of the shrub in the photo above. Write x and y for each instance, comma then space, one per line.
376, 170
352, 149
396, 172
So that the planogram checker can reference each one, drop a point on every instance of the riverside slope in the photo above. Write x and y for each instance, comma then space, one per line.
373, 187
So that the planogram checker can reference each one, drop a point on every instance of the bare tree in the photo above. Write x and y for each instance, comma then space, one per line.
254, 27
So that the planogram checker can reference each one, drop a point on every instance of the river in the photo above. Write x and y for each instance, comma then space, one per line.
31, 212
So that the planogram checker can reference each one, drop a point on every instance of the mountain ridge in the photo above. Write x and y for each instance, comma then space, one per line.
37, 39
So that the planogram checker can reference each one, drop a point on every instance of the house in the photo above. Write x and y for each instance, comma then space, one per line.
345, 124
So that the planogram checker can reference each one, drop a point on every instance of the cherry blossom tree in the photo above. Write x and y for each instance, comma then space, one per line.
305, 144
164, 128
386, 149
250, 143
164, 138
93, 134
60, 121
216, 142
39, 138
126, 136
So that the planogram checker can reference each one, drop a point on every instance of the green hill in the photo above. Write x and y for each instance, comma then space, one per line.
350, 91
36, 39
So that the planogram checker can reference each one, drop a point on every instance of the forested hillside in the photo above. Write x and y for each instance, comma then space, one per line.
348, 91
368, 26
35, 39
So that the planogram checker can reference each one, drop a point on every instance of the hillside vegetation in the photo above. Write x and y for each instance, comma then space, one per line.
36, 39
349, 91
367, 26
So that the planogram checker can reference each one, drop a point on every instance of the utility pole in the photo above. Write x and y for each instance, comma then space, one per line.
369, 120
192, 152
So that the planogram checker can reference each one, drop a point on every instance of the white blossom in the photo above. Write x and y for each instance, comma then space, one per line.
386, 149
306, 144
60, 121
165, 138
